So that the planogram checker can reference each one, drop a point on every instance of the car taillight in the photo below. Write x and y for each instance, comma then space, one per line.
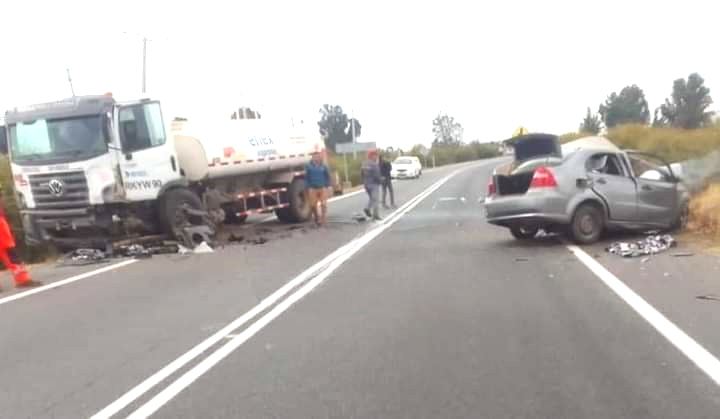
491, 187
543, 178
20, 180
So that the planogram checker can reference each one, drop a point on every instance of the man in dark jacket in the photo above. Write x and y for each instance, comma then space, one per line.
372, 178
386, 170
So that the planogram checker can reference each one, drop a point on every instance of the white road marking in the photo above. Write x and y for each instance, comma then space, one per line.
322, 269
706, 361
333, 199
66, 281
206, 364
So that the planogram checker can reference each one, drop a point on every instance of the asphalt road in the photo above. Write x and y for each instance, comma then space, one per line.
430, 314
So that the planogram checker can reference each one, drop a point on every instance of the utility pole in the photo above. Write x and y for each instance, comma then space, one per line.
145, 40
72, 90
352, 127
144, 62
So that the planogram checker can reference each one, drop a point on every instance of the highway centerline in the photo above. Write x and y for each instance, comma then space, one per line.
319, 270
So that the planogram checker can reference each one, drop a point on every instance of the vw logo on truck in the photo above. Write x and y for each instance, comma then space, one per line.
56, 187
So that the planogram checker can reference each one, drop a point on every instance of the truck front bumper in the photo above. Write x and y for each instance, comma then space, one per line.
60, 227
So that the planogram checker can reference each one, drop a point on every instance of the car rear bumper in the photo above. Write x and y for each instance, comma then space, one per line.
532, 209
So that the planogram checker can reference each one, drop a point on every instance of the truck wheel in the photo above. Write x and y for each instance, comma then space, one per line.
524, 233
298, 211
171, 214
587, 224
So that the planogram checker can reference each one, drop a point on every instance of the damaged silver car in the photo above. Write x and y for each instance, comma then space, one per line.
583, 188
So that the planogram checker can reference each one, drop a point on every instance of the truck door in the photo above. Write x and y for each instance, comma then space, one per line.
148, 160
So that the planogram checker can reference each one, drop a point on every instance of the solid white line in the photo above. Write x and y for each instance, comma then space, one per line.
64, 282
693, 350
206, 364
181, 361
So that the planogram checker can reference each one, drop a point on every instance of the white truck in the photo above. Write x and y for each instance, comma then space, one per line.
92, 168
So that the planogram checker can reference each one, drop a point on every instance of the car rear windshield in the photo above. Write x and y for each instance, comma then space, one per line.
531, 165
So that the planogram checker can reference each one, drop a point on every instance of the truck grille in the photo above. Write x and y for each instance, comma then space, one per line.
60, 190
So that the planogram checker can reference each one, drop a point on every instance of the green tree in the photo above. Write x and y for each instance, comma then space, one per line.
688, 106
335, 126
630, 106
447, 131
591, 124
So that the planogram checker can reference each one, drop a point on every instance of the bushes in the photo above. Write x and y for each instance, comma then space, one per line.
27, 253
705, 212
673, 144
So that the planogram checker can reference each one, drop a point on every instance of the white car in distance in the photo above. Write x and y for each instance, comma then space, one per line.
405, 167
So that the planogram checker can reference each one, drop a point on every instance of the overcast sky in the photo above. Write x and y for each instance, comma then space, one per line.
492, 65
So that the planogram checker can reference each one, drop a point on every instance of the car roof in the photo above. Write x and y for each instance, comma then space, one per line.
592, 142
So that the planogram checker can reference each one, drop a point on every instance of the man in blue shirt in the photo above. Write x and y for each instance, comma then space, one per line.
317, 181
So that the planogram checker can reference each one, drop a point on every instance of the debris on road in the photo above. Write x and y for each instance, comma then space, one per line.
203, 248
648, 246
134, 250
683, 254
708, 297
360, 218
82, 256
521, 259
235, 239
259, 240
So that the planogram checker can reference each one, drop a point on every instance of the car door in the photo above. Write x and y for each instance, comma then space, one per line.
611, 180
148, 160
656, 188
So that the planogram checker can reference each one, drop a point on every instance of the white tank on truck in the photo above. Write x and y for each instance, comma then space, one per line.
90, 169
240, 147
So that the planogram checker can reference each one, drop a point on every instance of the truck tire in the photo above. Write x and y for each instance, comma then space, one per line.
169, 211
298, 211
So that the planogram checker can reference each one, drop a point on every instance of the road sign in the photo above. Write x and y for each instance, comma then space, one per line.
520, 131
344, 148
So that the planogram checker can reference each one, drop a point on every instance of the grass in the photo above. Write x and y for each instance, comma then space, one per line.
705, 213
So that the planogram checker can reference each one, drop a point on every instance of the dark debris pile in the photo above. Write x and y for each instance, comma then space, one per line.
650, 245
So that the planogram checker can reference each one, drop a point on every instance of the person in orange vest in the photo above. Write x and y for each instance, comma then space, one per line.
7, 250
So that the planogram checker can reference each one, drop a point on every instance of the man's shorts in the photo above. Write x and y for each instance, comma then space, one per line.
316, 195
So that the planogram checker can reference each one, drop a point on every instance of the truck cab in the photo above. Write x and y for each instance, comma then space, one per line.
89, 166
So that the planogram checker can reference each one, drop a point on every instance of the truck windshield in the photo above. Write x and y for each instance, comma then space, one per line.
57, 140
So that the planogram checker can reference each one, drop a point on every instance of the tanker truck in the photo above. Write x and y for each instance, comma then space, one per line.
92, 168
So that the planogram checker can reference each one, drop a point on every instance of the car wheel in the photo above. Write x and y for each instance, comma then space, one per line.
587, 224
524, 233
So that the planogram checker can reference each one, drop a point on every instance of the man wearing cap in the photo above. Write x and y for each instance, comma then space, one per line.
372, 179
317, 181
